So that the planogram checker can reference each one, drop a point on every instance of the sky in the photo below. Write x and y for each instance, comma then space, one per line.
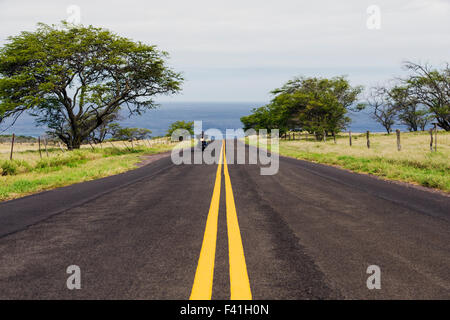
239, 50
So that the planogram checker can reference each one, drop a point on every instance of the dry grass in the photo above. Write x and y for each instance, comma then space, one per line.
414, 163
28, 173
415, 147
19, 148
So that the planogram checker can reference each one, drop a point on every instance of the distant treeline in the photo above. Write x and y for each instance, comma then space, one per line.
6, 138
320, 105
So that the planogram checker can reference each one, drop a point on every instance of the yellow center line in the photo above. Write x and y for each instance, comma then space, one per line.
203, 281
239, 282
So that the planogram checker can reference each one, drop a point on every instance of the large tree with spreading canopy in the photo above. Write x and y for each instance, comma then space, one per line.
317, 105
74, 79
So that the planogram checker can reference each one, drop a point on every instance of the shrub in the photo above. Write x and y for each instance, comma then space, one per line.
9, 168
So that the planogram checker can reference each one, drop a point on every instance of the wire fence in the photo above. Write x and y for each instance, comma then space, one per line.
431, 140
47, 147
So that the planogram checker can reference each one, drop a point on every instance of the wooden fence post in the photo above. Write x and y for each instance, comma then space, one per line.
350, 137
431, 140
368, 139
45, 144
39, 142
435, 137
12, 147
399, 147
334, 137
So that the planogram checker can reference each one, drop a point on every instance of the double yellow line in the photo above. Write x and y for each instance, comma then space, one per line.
203, 281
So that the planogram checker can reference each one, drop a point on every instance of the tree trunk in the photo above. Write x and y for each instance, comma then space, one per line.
73, 143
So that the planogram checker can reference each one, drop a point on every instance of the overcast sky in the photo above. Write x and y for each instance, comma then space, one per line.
239, 50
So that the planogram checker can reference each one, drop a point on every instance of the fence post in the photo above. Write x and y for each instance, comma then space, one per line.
39, 142
45, 145
399, 146
334, 137
350, 137
12, 147
435, 137
431, 140
368, 139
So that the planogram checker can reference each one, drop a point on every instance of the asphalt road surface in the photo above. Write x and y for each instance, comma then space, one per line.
308, 232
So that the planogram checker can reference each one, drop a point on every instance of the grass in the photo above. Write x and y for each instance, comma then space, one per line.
413, 164
28, 173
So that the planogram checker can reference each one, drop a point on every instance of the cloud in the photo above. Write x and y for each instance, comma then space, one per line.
239, 50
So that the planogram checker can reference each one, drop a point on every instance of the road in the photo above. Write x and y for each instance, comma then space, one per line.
308, 232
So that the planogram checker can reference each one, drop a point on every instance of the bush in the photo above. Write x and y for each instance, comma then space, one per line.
9, 168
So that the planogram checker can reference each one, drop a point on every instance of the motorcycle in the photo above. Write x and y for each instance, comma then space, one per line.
204, 144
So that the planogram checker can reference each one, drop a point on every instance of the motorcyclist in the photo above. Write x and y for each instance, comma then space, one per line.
204, 144
203, 141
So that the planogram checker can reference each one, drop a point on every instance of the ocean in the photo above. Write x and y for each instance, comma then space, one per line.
219, 115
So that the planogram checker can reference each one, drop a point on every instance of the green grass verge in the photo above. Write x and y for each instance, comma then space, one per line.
414, 164
402, 170
22, 177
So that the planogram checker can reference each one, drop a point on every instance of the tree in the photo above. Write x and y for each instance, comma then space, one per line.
431, 88
424, 119
409, 111
317, 105
186, 125
271, 116
130, 134
384, 110
73, 78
